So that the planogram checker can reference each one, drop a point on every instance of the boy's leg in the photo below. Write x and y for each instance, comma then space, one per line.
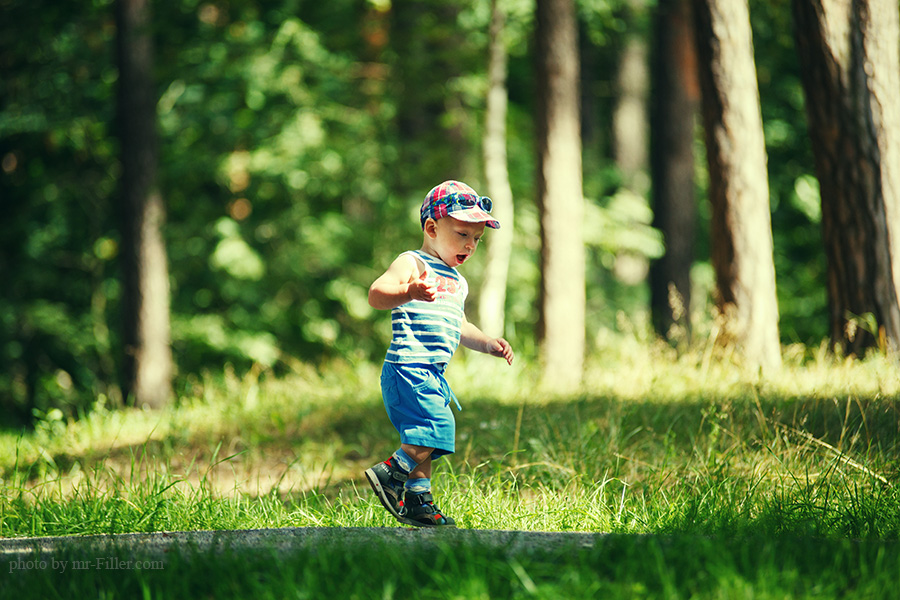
422, 471
418, 504
414, 396
388, 478
422, 456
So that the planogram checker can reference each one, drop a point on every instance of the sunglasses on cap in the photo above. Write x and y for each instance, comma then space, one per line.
482, 202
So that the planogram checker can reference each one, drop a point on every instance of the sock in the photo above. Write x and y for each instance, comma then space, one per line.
418, 486
404, 460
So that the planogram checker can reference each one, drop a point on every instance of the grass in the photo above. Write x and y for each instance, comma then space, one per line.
706, 480
617, 567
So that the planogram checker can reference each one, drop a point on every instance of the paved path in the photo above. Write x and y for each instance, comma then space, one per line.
158, 545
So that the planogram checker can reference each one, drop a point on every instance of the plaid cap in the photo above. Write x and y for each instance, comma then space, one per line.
457, 200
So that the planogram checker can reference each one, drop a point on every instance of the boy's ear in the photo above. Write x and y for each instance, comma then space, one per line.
430, 227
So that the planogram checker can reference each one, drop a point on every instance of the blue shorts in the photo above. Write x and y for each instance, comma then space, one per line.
417, 399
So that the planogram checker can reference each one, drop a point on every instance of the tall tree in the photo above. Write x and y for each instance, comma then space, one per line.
850, 57
148, 355
741, 228
492, 301
629, 117
560, 196
673, 109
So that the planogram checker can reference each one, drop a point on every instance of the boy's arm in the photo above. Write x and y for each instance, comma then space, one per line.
401, 283
474, 339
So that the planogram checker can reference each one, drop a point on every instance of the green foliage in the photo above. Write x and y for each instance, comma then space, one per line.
56, 238
291, 191
297, 140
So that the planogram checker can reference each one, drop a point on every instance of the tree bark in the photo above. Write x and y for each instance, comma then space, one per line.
560, 197
147, 352
629, 119
742, 249
673, 109
492, 300
850, 57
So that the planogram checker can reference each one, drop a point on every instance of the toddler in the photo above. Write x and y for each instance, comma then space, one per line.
426, 296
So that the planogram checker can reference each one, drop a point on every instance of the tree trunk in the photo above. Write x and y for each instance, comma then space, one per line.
629, 118
492, 300
673, 110
147, 355
560, 197
742, 252
850, 58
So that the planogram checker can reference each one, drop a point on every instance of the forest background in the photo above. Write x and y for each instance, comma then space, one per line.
296, 142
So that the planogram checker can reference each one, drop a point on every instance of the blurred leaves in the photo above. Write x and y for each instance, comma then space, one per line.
233, 255
297, 141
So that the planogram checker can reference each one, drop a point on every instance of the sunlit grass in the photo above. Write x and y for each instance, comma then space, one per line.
688, 459
654, 442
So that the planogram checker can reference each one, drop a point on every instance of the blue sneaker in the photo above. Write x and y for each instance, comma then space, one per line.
419, 510
387, 479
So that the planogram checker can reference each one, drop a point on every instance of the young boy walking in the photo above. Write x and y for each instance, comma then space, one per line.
426, 296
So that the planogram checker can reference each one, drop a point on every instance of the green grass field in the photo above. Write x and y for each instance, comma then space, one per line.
708, 482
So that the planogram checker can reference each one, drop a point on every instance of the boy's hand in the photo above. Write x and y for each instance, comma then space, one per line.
500, 348
419, 290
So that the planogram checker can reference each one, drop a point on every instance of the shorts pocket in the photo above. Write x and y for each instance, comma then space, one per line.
422, 380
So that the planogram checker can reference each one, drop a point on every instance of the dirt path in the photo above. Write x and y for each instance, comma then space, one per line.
158, 546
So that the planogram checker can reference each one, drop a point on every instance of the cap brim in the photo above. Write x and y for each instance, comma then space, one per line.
475, 215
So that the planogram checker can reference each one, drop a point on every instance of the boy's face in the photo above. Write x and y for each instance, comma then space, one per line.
453, 241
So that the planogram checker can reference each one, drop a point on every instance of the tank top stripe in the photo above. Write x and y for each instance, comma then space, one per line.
429, 332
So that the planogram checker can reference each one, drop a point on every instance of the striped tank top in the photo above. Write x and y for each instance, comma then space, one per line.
428, 332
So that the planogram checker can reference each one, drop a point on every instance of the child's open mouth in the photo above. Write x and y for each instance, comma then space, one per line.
461, 258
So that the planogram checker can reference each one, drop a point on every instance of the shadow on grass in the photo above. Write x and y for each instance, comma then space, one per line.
590, 436
386, 564
741, 466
